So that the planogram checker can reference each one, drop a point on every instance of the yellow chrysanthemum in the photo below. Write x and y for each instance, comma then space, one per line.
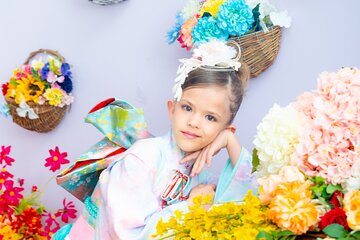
54, 96
352, 209
8, 233
212, 7
292, 207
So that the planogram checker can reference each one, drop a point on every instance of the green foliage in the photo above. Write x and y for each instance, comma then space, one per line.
255, 160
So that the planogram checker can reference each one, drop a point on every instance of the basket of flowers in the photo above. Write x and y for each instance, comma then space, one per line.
106, 2
307, 161
39, 92
253, 24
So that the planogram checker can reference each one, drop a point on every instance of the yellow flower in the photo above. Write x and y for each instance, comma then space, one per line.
352, 209
292, 207
37, 65
54, 96
28, 88
8, 233
212, 7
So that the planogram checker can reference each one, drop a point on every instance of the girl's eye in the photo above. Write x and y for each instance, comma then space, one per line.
210, 118
186, 108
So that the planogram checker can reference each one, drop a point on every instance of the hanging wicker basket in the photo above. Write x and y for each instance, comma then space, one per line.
259, 49
48, 116
106, 2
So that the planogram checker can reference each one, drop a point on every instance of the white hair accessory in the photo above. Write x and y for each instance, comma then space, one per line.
214, 54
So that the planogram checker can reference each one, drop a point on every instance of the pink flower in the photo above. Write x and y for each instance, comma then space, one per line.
5, 151
12, 194
67, 212
56, 159
4, 174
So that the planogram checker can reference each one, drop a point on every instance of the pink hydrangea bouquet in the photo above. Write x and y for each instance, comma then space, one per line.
307, 159
202, 20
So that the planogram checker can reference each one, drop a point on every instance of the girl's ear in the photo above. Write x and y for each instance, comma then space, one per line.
171, 108
232, 128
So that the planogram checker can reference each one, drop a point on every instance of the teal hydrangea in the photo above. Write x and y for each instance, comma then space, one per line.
207, 29
235, 17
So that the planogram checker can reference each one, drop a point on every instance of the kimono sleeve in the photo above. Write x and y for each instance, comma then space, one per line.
235, 182
129, 209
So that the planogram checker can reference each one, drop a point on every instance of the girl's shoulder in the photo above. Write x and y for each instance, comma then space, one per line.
150, 150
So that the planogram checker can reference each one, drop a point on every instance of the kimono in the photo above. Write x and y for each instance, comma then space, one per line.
128, 199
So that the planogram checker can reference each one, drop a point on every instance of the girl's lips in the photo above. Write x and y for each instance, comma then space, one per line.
189, 135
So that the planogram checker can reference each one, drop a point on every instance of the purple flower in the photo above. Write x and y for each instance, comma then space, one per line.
65, 70
66, 85
44, 71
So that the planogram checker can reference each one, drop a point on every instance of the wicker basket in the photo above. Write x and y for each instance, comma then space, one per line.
311, 236
106, 2
49, 116
259, 49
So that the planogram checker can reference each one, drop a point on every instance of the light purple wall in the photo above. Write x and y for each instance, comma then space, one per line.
121, 51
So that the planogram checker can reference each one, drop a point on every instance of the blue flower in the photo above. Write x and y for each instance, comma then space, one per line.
4, 110
235, 17
66, 85
44, 71
174, 32
207, 29
65, 70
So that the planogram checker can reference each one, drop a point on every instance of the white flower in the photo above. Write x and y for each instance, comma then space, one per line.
216, 52
265, 7
281, 19
37, 64
191, 8
353, 182
276, 138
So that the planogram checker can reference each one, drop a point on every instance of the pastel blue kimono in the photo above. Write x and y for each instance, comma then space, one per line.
130, 204
128, 200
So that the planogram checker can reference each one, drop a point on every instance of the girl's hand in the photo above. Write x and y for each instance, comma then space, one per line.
201, 190
226, 138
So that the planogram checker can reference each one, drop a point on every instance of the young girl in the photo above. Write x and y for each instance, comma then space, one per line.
157, 176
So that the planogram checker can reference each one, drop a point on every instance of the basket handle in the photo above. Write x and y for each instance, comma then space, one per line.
45, 51
233, 43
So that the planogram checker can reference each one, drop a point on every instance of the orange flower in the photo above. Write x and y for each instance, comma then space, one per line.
185, 33
352, 209
292, 207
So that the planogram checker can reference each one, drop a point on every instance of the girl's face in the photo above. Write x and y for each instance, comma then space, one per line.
200, 115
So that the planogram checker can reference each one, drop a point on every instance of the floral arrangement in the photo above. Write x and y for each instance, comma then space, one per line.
307, 160
202, 20
41, 82
25, 217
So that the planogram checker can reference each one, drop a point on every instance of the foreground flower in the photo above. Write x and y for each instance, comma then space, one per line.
277, 136
292, 207
56, 159
4, 155
352, 209
67, 212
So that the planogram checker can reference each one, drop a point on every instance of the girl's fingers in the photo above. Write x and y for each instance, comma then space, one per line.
190, 157
197, 165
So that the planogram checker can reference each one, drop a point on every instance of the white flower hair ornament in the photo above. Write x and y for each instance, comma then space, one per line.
214, 54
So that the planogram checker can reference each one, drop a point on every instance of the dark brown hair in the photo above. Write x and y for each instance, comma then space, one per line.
235, 81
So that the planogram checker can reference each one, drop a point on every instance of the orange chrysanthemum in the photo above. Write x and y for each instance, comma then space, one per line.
292, 207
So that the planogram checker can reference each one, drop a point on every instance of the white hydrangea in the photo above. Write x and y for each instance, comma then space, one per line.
276, 137
265, 7
191, 8
353, 182
281, 19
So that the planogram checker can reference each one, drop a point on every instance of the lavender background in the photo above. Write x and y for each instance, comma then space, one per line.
121, 51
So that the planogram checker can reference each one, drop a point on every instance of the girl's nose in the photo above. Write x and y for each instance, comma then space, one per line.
194, 121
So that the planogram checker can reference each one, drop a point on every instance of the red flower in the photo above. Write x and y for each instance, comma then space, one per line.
336, 198
336, 215
21, 181
5, 151
5, 87
5, 208
4, 174
12, 194
67, 212
28, 223
34, 188
56, 159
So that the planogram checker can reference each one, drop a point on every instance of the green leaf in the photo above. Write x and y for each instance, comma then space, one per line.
264, 235
256, 13
332, 188
206, 14
335, 230
356, 234
285, 233
255, 160
13, 82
